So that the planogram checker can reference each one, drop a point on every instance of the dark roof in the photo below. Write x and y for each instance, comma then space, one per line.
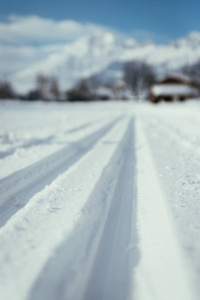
174, 79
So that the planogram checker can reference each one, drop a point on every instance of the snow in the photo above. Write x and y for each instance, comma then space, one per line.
99, 201
97, 49
162, 259
173, 89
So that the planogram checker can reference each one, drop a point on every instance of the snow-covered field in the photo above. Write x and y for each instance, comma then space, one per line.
99, 201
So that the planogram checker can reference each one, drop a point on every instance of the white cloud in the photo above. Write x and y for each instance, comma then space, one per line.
31, 29
27, 40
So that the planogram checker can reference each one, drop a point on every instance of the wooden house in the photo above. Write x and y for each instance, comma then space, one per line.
172, 88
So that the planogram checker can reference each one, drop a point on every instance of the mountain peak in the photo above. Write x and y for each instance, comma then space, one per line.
97, 50
191, 40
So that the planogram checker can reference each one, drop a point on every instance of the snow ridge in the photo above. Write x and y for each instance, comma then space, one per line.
95, 52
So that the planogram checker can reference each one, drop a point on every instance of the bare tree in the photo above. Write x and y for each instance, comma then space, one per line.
47, 87
139, 76
6, 90
193, 72
81, 92
54, 88
42, 86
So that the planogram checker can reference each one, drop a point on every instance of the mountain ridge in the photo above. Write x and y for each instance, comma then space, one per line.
96, 52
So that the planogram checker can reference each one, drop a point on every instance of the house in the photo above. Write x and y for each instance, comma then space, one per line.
172, 88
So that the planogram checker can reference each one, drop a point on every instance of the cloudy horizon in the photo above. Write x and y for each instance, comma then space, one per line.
26, 40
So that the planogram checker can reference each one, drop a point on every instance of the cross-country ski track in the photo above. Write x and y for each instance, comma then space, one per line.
99, 201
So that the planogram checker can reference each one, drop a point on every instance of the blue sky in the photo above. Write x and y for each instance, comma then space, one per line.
32, 30
159, 20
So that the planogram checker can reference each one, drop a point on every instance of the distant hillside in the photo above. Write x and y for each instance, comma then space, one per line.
104, 53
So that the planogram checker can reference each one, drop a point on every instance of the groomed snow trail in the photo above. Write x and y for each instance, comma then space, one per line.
17, 189
95, 263
162, 272
99, 201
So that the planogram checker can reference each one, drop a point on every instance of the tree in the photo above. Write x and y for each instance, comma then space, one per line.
193, 72
6, 90
54, 88
42, 82
138, 76
81, 92
47, 87
33, 95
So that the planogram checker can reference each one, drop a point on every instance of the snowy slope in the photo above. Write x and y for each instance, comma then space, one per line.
82, 58
95, 52
99, 201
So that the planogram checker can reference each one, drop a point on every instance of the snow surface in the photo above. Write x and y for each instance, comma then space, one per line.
173, 89
99, 201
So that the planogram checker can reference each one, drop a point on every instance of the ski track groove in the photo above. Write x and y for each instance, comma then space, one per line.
42, 141
179, 134
18, 188
116, 247
164, 269
83, 126
27, 144
37, 238
182, 191
109, 251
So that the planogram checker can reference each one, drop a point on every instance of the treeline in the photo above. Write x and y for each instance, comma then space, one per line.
193, 73
138, 77
47, 89
6, 90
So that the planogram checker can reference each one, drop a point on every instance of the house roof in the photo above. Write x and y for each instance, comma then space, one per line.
173, 89
175, 78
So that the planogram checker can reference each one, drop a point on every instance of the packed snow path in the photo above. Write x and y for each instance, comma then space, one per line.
99, 201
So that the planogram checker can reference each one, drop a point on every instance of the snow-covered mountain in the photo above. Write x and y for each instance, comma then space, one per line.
105, 52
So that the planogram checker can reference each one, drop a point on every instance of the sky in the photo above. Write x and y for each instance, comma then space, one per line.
160, 20
31, 30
